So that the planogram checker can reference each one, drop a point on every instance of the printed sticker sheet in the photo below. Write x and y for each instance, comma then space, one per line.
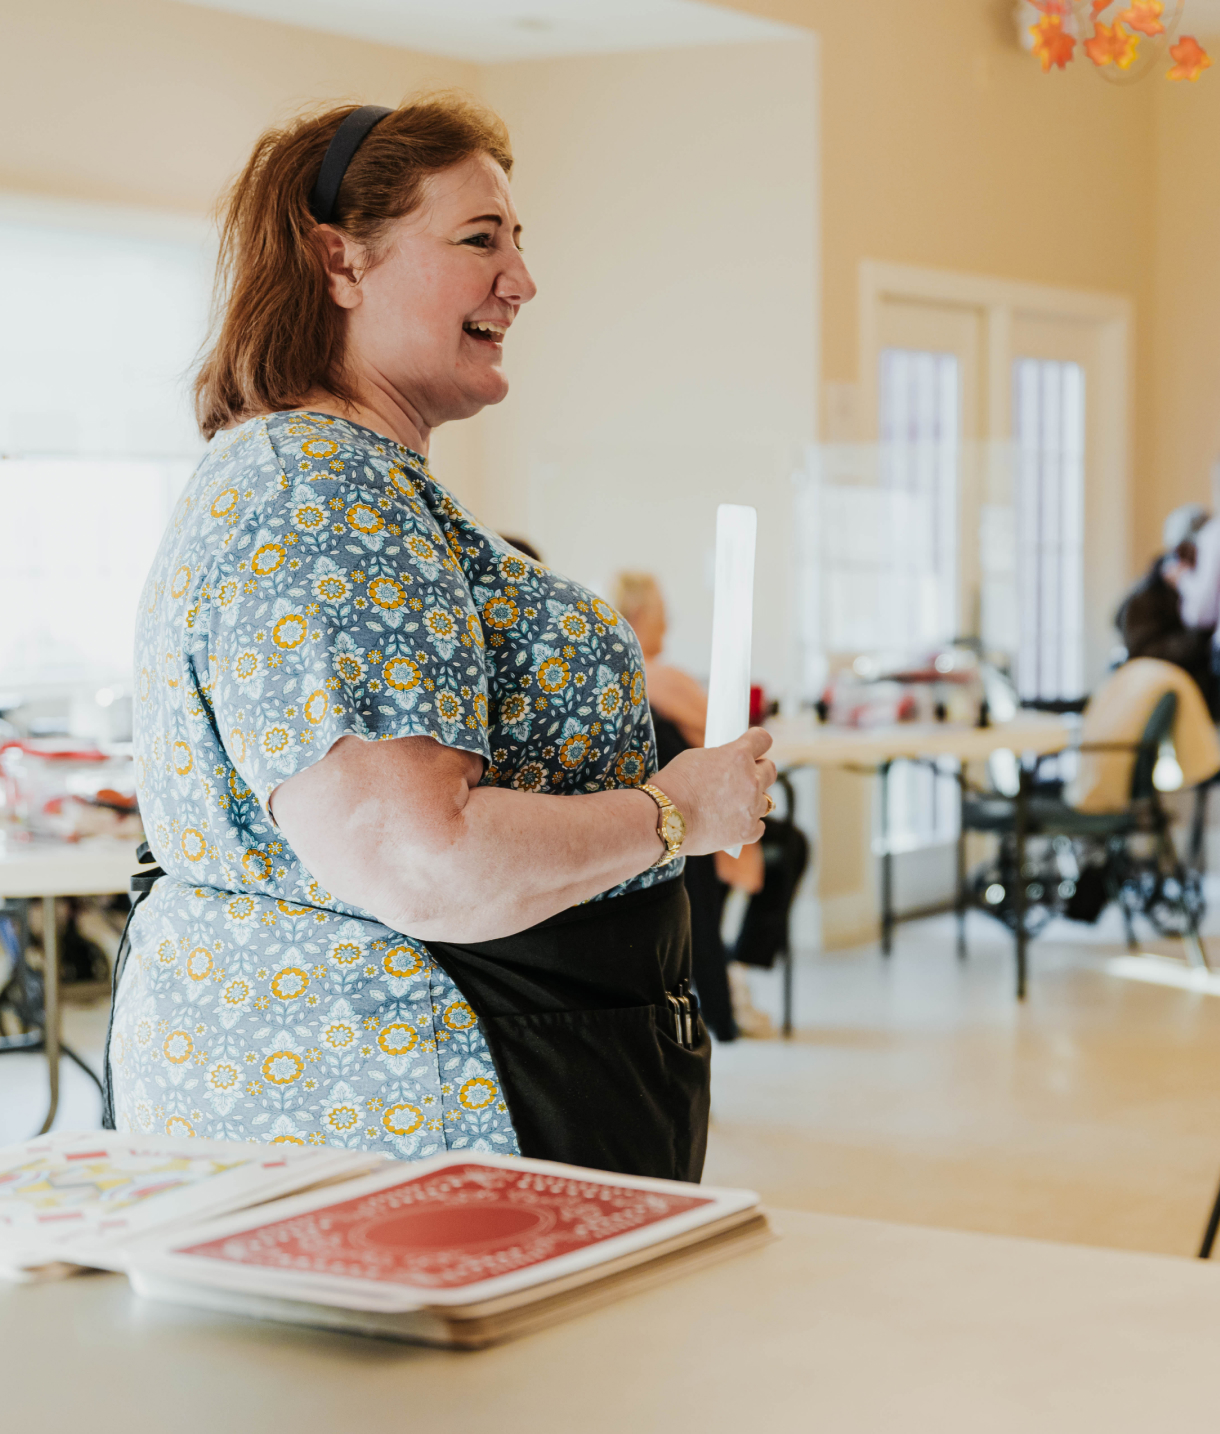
80, 1197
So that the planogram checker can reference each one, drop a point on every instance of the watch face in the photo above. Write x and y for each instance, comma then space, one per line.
673, 827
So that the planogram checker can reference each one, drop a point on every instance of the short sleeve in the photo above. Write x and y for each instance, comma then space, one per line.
339, 611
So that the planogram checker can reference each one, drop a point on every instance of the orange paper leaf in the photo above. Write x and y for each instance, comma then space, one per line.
1052, 44
1125, 48
1144, 16
1111, 44
1099, 6
1191, 59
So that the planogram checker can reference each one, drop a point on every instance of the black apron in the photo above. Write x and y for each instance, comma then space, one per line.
602, 1057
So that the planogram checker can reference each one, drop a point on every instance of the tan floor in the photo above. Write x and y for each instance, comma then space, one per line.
919, 1090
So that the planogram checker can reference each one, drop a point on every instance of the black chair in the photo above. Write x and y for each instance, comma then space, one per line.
764, 936
1080, 861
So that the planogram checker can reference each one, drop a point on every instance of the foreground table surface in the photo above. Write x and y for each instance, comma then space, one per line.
842, 1325
804, 742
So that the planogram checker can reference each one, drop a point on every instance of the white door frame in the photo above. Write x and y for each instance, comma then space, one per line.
999, 302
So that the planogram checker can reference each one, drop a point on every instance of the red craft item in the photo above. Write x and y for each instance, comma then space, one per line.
450, 1228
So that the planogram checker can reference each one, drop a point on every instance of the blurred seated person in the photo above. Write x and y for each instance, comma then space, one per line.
679, 716
1161, 616
1115, 718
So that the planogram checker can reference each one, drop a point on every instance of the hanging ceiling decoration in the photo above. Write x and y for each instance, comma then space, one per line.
1124, 39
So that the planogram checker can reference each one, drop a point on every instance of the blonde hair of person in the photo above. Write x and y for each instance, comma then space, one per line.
632, 592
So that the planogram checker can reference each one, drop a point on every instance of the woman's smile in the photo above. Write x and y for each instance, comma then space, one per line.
486, 331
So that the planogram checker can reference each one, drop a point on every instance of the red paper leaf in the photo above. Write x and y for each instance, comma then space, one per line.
1052, 44
1190, 57
1144, 16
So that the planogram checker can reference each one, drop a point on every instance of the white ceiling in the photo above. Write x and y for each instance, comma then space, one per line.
487, 31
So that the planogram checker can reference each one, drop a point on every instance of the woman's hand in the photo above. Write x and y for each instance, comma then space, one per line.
721, 791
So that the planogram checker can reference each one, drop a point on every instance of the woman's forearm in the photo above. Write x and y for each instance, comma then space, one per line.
402, 830
509, 860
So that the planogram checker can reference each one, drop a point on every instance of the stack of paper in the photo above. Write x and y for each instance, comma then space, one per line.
463, 1249
75, 1200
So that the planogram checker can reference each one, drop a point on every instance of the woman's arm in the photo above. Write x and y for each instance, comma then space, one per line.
676, 696
403, 830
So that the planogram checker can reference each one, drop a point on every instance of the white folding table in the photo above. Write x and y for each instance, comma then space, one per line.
45, 869
804, 742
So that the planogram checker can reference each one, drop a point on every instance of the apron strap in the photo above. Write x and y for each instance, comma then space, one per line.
142, 882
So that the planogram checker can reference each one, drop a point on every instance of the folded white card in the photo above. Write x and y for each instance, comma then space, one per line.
728, 689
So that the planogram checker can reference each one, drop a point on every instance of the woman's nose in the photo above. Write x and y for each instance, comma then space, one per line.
516, 284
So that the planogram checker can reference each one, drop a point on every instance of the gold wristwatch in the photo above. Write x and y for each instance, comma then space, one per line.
671, 825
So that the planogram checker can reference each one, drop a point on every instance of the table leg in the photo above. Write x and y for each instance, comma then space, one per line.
1020, 822
787, 1029
50, 1003
960, 905
887, 865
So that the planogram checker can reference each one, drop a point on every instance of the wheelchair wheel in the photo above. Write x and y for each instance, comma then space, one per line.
993, 891
1176, 904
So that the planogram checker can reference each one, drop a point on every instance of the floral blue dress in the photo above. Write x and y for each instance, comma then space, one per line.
316, 581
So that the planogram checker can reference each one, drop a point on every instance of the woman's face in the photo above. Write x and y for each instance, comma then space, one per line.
427, 322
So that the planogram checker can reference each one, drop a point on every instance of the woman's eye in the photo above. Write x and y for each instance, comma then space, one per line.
480, 241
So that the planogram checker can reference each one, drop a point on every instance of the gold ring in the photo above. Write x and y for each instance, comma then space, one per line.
770, 805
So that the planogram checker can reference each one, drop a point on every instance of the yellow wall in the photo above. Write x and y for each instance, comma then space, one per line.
669, 360
152, 103
944, 144
1185, 347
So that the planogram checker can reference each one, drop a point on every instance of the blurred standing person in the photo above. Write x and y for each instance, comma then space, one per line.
679, 717
1172, 613
1192, 564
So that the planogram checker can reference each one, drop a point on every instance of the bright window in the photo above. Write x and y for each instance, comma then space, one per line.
1048, 428
102, 314
920, 457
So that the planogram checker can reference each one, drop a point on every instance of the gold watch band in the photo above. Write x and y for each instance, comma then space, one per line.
671, 824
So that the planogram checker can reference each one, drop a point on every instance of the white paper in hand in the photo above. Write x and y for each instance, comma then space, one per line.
728, 689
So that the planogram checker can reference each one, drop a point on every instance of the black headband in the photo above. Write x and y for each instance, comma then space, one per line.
339, 153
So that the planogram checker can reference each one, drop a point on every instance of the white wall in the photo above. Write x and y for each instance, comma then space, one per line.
669, 362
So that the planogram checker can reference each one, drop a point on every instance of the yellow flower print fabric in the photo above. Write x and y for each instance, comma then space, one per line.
315, 582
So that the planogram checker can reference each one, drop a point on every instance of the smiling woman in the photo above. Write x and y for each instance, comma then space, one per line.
416, 881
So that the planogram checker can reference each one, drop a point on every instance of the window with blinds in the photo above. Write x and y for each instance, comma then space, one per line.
920, 464
1048, 434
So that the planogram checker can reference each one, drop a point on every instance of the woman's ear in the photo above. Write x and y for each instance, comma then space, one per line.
344, 261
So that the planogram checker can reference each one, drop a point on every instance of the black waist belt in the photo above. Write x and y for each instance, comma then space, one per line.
595, 1034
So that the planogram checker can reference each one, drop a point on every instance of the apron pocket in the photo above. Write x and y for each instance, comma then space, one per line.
608, 1089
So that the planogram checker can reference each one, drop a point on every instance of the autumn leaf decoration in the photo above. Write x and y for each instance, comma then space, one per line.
1126, 48
1111, 44
1189, 57
1052, 44
1144, 16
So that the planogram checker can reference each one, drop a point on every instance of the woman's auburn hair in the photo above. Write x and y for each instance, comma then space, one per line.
276, 334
